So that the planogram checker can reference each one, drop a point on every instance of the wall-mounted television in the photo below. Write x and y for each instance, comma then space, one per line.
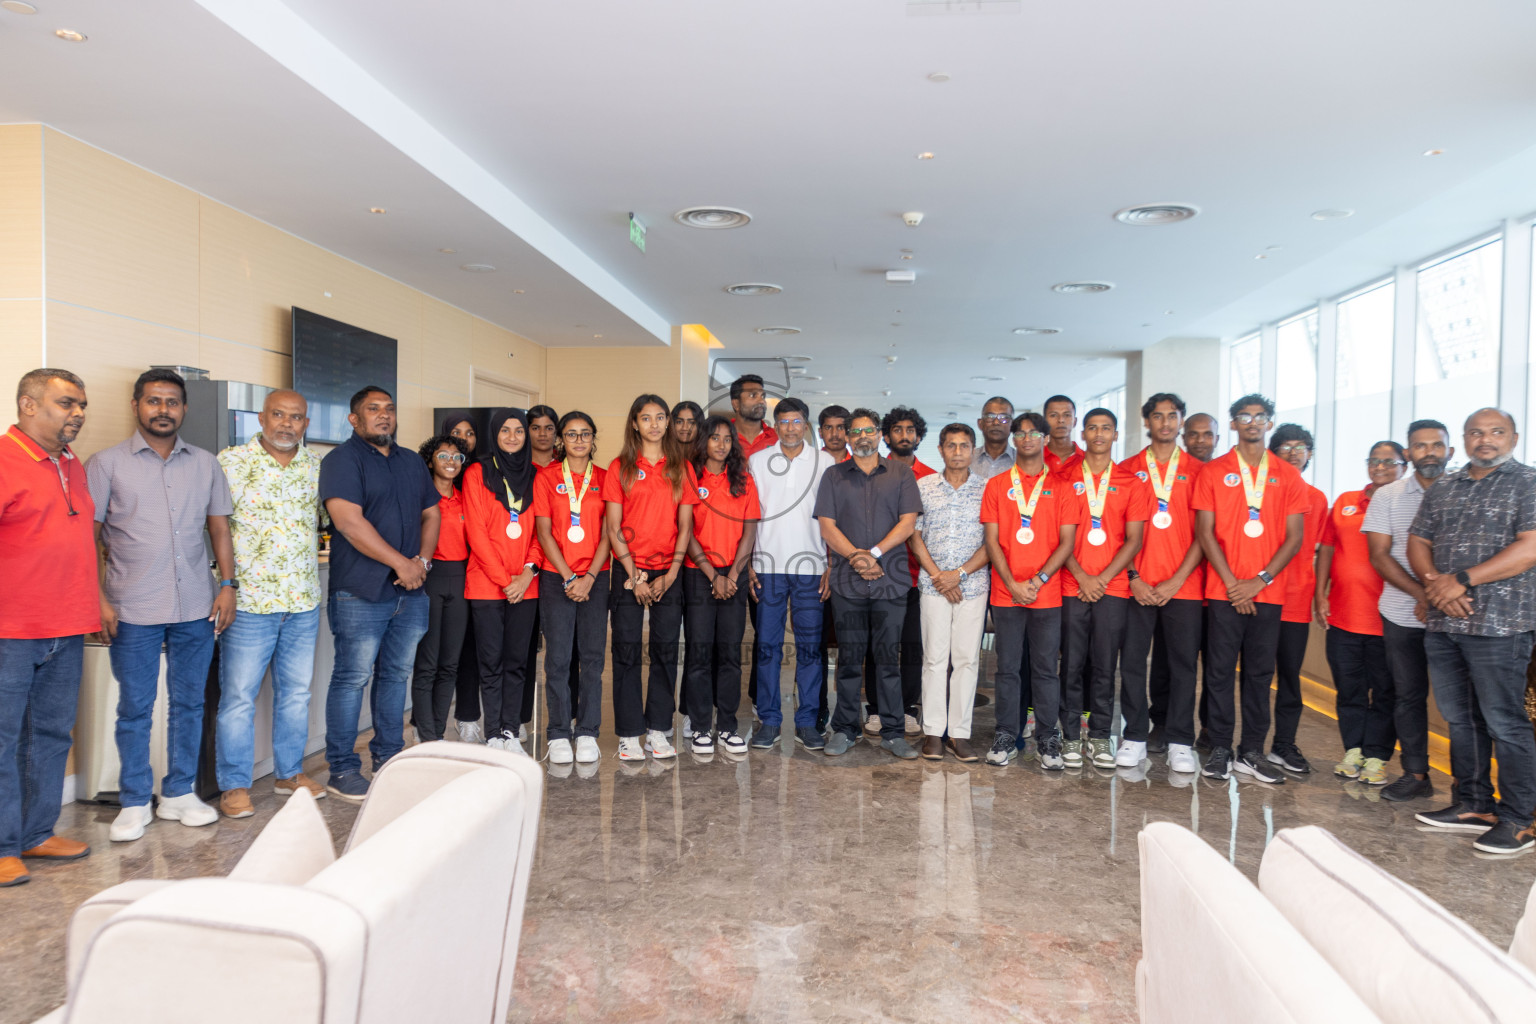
331, 361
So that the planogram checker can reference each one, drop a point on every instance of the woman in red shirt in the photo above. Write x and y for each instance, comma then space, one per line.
650, 518
437, 656
573, 588
1346, 605
724, 532
467, 691
502, 581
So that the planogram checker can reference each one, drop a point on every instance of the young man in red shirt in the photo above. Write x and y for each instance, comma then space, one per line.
904, 429
1030, 518
1061, 450
750, 404
1095, 593
1250, 512
1167, 581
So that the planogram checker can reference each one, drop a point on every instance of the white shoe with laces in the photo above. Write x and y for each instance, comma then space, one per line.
656, 743
872, 724
510, 742
1181, 758
560, 752
496, 743
630, 749
522, 734
187, 809
129, 823
469, 732
586, 750
1131, 753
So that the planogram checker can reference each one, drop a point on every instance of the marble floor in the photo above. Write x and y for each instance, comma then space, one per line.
787, 886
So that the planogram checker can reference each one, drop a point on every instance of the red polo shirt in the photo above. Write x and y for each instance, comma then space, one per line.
649, 523
1356, 588
551, 501
766, 439
1163, 550
1300, 577
1127, 501
49, 555
1057, 505
494, 558
1056, 464
1220, 490
720, 517
452, 546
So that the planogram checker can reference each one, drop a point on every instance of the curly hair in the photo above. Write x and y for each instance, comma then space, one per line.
735, 461
429, 447
902, 414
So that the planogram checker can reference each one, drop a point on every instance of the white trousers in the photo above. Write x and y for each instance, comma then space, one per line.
951, 634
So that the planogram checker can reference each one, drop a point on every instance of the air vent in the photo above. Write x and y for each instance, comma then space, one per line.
796, 359
778, 330
985, 377
1008, 359
477, 268
1332, 214
1081, 287
806, 376
1038, 330
1153, 214
754, 288
713, 218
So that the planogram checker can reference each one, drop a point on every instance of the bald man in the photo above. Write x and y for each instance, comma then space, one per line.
275, 483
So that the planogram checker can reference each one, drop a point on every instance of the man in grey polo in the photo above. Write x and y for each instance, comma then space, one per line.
1473, 544
154, 495
1402, 606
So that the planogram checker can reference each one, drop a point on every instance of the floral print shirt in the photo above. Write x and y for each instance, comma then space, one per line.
275, 527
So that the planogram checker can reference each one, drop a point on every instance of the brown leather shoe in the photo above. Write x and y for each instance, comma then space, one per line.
933, 748
962, 749
58, 848
13, 872
236, 803
288, 787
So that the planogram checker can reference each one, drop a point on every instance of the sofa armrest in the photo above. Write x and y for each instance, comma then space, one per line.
97, 911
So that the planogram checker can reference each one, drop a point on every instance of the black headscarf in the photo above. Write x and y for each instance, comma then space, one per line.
453, 419
502, 471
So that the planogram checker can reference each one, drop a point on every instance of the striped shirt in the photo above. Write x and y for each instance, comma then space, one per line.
1391, 512
986, 467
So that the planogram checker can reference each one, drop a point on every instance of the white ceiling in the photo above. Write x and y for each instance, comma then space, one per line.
809, 114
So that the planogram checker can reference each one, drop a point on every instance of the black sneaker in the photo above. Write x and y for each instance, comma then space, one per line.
1506, 837
1288, 756
1409, 788
809, 738
1457, 818
765, 738
1203, 742
1255, 764
702, 743
348, 786
1003, 749
1219, 764
1157, 740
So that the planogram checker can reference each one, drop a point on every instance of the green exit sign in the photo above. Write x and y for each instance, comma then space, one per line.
637, 233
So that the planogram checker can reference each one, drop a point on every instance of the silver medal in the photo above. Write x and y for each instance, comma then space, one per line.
1097, 537
576, 533
1162, 520
1253, 528
1025, 535
514, 529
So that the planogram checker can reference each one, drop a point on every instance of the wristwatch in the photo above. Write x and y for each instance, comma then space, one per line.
1464, 579
875, 551
963, 575
1043, 577
1132, 574
426, 563
231, 584
1266, 577
572, 578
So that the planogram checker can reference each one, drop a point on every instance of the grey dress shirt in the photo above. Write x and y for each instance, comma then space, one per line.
152, 513
986, 467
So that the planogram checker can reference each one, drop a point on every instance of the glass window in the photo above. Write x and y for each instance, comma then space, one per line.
1456, 364
1243, 378
1114, 401
1296, 371
1362, 384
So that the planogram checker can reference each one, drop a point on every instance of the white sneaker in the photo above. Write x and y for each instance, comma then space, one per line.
911, 725
129, 823
656, 743
872, 724
630, 749
560, 752
187, 809
496, 743
469, 732
509, 741
687, 729
586, 750
522, 734
1181, 758
733, 741
1130, 753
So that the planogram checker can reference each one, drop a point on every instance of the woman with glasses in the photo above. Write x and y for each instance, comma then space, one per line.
544, 449
1348, 591
437, 656
573, 589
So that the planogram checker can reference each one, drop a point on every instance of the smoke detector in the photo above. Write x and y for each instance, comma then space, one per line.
713, 218
1154, 214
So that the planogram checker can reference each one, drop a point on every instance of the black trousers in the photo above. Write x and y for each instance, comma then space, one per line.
1027, 641
1158, 679
868, 625
911, 661
1289, 654
1366, 700
1253, 638
467, 690
437, 656
1178, 627
630, 716
1409, 669
569, 627
712, 666
501, 648
1092, 633
525, 713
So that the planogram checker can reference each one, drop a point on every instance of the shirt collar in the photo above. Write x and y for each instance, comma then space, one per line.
1465, 472
851, 466
136, 443
357, 439
31, 447
971, 479
300, 454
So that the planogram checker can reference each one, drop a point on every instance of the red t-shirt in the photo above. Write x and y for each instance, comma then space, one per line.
1219, 489
1056, 464
495, 559
720, 517
649, 523
1355, 587
451, 543
767, 438
1300, 577
918, 472
1128, 501
1163, 550
552, 502
41, 544
1057, 506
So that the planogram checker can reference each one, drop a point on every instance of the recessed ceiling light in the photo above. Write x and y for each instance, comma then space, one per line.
1167, 312
1261, 256
984, 376
517, 291
906, 250
1008, 359
807, 376
477, 268
1273, 248
18, 7
1081, 287
778, 330
1146, 325
1152, 214
907, 257
970, 394
938, 76
818, 392
69, 35
753, 288
1037, 330
796, 359
448, 252
1332, 214
925, 155
597, 336
377, 209
1433, 152
713, 218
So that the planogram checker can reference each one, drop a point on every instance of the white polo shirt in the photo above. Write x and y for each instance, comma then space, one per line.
789, 535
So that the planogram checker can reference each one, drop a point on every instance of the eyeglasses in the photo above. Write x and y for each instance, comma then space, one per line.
1293, 449
1027, 435
449, 457
572, 435
995, 417
862, 431
1378, 463
1246, 418
795, 422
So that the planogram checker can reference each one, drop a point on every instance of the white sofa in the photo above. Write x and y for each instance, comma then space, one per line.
430, 886
1325, 936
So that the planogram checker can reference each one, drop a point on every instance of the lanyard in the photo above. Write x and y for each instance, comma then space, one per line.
1253, 493
1162, 487
1026, 533
1096, 497
514, 506
576, 533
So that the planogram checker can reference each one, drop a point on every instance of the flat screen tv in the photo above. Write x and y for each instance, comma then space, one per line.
331, 361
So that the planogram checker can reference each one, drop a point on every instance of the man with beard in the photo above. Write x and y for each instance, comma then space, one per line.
994, 455
1473, 544
154, 495
1062, 452
383, 505
1200, 436
750, 403
45, 534
904, 429
275, 483
1402, 603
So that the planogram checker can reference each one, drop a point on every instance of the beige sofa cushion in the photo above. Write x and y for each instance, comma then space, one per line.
1523, 948
97, 911
1408, 958
293, 848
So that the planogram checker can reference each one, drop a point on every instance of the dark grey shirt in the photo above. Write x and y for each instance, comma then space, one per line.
866, 507
1469, 521
152, 513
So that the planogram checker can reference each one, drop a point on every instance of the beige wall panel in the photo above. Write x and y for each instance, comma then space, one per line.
527, 363
414, 415
21, 346
603, 381
119, 238
21, 211
109, 352
226, 360
447, 344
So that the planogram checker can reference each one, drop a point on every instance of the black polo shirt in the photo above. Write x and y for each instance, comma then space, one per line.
393, 491
865, 507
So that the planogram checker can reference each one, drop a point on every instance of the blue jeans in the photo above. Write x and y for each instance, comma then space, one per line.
285, 641
39, 686
135, 655
1480, 688
801, 596
366, 632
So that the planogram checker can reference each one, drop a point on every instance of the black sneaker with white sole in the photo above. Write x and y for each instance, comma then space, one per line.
1408, 788
1288, 756
1457, 818
1219, 764
1255, 765
1506, 837
702, 743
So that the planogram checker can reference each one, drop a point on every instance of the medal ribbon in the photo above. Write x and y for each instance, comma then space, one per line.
514, 504
570, 489
1162, 484
1096, 496
1253, 491
1026, 507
